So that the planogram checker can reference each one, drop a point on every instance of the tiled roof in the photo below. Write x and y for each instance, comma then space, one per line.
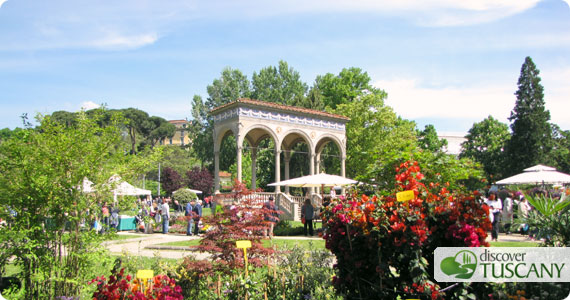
280, 107
177, 121
224, 174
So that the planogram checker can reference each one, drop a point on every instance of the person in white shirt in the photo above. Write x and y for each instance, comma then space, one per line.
495, 207
507, 213
524, 209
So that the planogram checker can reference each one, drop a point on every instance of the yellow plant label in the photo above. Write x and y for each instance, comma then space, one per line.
405, 196
243, 244
145, 274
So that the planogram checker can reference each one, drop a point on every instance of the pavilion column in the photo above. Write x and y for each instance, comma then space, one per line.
342, 171
239, 151
216, 172
277, 169
311, 168
287, 158
253, 167
318, 163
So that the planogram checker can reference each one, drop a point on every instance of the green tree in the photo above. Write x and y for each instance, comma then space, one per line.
345, 87
531, 140
485, 144
42, 184
428, 139
159, 129
560, 156
231, 85
137, 126
280, 84
375, 134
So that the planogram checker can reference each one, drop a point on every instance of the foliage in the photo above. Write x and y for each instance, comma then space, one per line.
43, 171
246, 221
6, 133
343, 88
428, 139
284, 228
485, 144
170, 180
531, 140
552, 217
375, 134
366, 236
280, 84
120, 286
201, 180
560, 155
293, 274
183, 195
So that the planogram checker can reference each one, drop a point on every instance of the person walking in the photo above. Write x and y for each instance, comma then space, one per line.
188, 214
495, 207
270, 216
507, 213
308, 213
165, 215
197, 215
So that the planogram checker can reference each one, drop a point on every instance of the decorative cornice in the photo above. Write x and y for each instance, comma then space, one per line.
277, 116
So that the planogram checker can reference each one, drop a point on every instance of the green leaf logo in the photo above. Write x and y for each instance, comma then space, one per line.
462, 265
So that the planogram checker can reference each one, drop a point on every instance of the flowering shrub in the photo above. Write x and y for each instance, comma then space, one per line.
120, 286
383, 247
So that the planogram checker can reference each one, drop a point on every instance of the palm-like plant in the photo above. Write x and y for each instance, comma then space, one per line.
551, 216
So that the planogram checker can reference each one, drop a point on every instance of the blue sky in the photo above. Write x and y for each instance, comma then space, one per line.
443, 62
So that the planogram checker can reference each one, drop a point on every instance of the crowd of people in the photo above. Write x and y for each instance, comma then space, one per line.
505, 206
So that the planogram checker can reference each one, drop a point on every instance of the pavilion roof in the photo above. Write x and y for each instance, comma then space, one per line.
277, 106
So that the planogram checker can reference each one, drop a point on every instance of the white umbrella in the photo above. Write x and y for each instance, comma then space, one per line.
317, 180
191, 190
537, 174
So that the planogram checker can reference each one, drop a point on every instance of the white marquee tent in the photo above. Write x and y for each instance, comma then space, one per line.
538, 174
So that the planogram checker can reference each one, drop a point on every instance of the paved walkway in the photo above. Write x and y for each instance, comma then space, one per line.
149, 244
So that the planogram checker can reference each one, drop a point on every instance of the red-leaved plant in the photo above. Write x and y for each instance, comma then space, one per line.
384, 248
120, 286
243, 220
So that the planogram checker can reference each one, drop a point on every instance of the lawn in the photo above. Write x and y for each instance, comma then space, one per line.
318, 244
514, 244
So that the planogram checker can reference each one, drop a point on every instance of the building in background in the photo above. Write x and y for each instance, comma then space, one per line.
181, 136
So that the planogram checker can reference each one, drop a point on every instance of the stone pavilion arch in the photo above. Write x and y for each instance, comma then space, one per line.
254, 120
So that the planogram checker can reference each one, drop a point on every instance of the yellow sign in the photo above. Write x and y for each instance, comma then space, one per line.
145, 274
405, 196
243, 244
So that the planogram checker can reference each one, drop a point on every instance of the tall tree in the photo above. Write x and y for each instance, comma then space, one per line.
280, 84
485, 144
428, 139
137, 125
344, 87
374, 133
231, 85
531, 140
159, 129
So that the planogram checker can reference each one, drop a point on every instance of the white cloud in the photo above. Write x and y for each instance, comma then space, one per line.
411, 100
427, 13
87, 105
117, 41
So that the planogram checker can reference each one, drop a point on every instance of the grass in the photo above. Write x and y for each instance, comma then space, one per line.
317, 244
514, 244
120, 237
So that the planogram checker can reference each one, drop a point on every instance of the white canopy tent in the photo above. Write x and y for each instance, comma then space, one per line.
538, 174
122, 188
